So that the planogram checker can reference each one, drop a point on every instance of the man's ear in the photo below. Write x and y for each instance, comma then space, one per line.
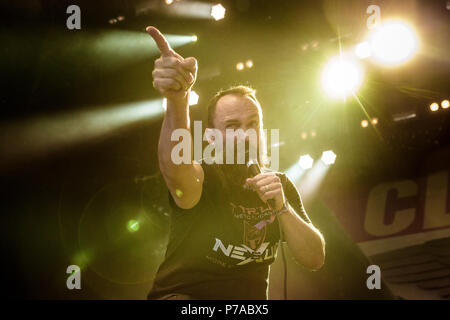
209, 135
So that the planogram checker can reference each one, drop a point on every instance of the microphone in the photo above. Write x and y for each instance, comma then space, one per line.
253, 170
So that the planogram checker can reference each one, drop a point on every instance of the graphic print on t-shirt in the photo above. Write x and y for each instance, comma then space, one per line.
252, 237
250, 213
255, 245
243, 254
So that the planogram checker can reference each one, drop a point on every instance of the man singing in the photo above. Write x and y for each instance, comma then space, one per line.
225, 225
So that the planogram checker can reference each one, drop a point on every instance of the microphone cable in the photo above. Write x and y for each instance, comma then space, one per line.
284, 262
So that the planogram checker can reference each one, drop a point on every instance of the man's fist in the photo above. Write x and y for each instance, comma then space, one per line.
173, 76
268, 186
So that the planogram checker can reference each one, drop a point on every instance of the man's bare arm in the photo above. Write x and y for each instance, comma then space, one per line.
304, 241
173, 76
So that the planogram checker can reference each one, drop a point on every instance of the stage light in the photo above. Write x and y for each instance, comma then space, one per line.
295, 172
218, 12
249, 63
364, 123
112, 21
374, 121
133, 225
120, 18
39, 136
434, 106
306, 162
313, 133
164, 104
362, 50
393, 42
192, 9
240, 66
341, 77
304, 135
194, 38
445, 104
193, 98
328, 157
120, 48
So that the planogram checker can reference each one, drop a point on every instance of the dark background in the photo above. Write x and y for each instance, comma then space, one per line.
69, 205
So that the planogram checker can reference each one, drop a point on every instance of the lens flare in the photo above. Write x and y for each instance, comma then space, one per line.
362, 50
341, 77
133, 225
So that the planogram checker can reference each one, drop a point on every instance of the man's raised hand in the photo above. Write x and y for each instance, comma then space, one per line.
173, 76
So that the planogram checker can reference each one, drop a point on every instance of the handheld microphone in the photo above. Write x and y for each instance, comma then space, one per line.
253, 170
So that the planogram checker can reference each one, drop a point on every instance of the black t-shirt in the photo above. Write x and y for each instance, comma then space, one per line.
217, 249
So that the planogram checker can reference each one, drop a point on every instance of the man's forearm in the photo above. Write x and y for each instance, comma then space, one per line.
176, 117
305, 242
173, 77
184, 180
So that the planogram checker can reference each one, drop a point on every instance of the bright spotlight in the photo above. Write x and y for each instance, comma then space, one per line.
194, 38
374, 121
240, 66
393, 42
362, 50
445, 104
218, 12
164, 104
341, 77
328, 157
434, 106
364, 123
169, 2
193, 98
306, 162
249, 63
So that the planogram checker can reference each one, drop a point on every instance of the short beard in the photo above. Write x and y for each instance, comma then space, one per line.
237, 173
